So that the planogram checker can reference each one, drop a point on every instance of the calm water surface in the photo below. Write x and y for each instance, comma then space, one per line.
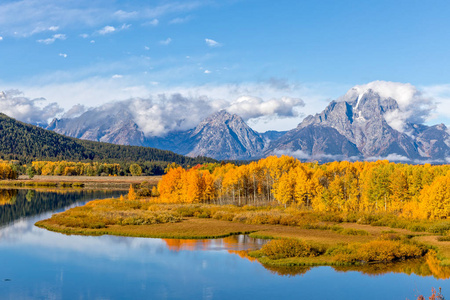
38, 264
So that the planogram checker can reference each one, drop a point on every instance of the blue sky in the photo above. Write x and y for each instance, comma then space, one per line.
93, 52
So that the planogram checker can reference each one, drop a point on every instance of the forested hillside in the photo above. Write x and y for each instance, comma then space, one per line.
26, 143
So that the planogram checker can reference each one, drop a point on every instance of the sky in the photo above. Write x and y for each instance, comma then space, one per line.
273, 61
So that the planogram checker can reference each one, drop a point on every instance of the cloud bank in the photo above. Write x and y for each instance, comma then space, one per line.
15, 105
164, 113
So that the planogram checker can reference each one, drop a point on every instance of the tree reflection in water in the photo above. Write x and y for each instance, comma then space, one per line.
19, 203
241, 244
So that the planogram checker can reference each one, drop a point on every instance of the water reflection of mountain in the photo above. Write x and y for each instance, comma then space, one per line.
18, 203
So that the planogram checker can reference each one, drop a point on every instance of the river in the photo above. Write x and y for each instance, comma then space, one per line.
39, 264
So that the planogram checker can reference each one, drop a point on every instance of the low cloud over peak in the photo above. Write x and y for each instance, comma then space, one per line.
14, 104
249, 107
164, 113
414, 106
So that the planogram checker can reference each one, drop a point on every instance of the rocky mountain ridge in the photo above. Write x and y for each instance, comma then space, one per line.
357, 126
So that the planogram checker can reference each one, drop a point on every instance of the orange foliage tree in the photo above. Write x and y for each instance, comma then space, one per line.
418, 191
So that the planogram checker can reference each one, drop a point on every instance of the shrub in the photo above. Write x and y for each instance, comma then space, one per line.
144, 192
223, 215
417, 227
379, 250
351, 231
439, 228
285, 248
329, 217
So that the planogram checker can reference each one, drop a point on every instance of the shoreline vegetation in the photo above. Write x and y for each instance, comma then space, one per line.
298, 237
339, 214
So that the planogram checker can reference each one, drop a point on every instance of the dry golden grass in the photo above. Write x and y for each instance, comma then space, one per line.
190, 228
325, 237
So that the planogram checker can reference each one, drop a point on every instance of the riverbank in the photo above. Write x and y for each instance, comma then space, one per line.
121, 182
142, 218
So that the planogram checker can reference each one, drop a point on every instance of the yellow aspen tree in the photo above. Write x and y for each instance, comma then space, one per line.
131, 193
435, 199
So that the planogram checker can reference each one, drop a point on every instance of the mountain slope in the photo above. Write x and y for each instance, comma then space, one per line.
107, 124
224, 136
27, 142
362, 120
314, 142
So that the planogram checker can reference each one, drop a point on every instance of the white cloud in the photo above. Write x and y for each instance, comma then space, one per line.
413, 105
40, 29
27, 17
165, 42
212, 43
147, 48
107, 29
153, 22
441, 95
63, 55
207, 72
249, 107
76, 111
299, 154
51, 40
304, 156
64, 88
125, 15
1, 38
92, 42
33, 111
390, 157
84, 35
110, 29
158, 115
180, 20
116, 76
163, 113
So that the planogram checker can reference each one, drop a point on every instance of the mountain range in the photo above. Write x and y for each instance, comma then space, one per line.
26, 143
357, 126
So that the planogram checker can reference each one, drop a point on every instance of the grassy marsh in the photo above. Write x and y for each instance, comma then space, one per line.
341, 243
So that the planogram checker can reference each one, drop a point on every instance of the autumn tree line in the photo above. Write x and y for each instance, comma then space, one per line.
413, 191
67, 168
7, 170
